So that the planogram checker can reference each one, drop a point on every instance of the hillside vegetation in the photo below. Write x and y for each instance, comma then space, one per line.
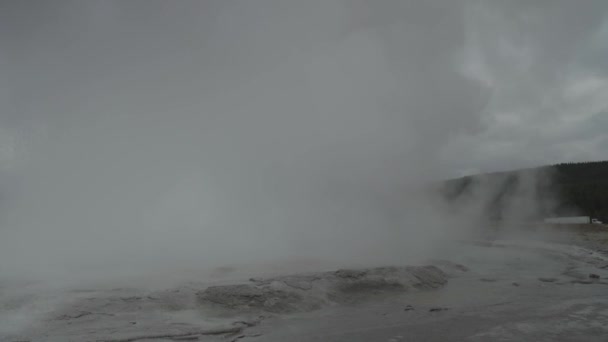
556, 190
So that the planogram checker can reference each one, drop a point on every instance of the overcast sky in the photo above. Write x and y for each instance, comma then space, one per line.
540, 66
545, 63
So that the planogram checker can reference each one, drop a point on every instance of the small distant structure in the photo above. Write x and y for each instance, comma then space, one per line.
572, 220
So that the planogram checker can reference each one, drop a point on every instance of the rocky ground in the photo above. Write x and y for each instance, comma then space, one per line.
548, 287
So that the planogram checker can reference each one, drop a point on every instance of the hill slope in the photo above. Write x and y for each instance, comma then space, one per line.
562, 189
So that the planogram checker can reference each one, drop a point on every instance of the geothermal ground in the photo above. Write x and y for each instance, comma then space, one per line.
533, 289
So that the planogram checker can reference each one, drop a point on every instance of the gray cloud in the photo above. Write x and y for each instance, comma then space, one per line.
542, 61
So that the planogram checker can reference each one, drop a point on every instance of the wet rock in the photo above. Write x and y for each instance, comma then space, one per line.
306, 292
594, 276
515, 283
245, 297
408, 308
301, 284
353, 274
437, 309
429, 277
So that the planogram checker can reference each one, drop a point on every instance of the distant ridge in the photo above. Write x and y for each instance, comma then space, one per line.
561, 189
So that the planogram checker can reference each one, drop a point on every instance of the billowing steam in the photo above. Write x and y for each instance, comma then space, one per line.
147, 135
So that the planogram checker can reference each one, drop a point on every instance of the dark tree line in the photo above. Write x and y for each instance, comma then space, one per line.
556, 190
584, 186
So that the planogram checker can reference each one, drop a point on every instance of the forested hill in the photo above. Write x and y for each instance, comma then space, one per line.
562, 189
584, 185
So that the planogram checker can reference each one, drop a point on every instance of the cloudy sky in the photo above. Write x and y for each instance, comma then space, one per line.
544, 62
539, 67
124, 117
